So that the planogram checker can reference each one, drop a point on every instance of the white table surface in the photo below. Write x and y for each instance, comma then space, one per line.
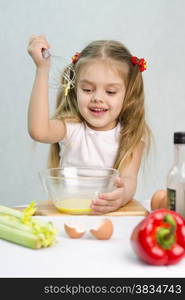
84, 257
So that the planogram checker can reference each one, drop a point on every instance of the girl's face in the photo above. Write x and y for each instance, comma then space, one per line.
100, 94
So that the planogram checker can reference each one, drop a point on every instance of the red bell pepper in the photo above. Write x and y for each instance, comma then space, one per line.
159, 239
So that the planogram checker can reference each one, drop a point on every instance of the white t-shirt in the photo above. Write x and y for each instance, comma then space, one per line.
84, 146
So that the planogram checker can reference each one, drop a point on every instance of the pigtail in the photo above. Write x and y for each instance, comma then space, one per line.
66, 111
132, 119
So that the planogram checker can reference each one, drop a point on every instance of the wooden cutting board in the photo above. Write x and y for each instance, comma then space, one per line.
133, 208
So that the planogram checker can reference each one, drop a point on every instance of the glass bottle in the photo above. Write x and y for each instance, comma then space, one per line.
176, 176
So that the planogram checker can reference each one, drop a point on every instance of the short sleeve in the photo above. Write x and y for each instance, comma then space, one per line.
71, 129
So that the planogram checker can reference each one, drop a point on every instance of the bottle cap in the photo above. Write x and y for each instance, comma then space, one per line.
179, 138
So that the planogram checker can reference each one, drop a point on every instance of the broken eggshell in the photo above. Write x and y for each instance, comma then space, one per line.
103, 230
73, 230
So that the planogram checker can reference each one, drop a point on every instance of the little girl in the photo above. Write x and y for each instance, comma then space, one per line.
100, 117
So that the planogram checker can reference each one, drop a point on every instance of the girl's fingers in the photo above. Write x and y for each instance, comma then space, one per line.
110, 196
36, 49
101, 202
38, 39
103, 206
116, 193
42, 36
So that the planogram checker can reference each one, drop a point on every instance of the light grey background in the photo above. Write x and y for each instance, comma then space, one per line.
151, 29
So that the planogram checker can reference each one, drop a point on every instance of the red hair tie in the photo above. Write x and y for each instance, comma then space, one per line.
75, 58
140, 62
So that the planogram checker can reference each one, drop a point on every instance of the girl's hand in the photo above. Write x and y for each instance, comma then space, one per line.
35, 47
108, 202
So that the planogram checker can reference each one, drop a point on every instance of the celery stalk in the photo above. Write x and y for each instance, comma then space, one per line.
4, 210
20, 237
22, 228
14, 222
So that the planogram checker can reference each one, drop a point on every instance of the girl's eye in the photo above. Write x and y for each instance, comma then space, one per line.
111, 92
87, 90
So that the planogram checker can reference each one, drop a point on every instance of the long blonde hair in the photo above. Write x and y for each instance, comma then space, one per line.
132, 115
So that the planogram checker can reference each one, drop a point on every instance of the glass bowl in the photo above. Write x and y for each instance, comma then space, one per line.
72, 189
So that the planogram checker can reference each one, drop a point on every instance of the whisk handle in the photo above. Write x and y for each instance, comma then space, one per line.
46, 53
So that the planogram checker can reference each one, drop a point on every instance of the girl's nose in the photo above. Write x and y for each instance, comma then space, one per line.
97, 97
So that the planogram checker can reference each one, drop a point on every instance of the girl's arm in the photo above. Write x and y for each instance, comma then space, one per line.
129, 175
40, 127
126, 186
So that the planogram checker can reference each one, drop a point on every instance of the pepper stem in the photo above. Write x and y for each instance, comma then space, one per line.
166, 236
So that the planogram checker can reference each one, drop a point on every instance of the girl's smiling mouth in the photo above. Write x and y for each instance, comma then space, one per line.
98, 111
